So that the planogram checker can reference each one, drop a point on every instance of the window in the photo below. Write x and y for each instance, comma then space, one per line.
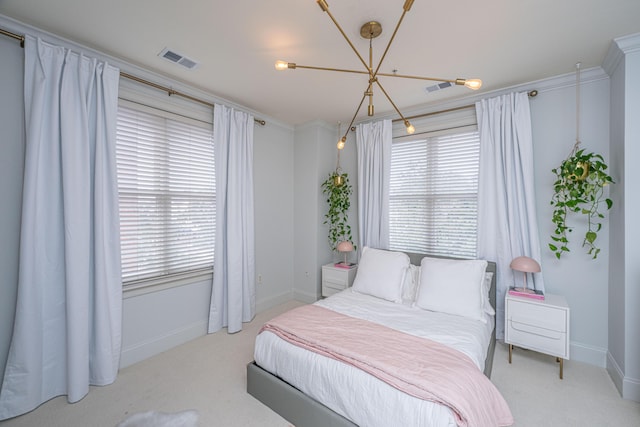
433, 195
166, 186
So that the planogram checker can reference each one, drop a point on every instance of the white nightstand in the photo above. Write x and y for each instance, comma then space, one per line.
539, 325
336, 279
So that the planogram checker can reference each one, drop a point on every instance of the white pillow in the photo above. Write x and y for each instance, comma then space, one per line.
452, 286
381, 274
488, 308
410, 286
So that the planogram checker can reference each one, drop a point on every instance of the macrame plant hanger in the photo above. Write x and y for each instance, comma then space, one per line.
576, 146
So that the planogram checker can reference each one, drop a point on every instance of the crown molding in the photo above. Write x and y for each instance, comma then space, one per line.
589, 75
620, 47
21, 28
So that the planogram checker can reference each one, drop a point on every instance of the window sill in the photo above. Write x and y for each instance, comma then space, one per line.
161, 284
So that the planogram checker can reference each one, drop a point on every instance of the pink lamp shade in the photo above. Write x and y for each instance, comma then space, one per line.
525, 265
345, 247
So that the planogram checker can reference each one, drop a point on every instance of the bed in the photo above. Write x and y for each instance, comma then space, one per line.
311, 389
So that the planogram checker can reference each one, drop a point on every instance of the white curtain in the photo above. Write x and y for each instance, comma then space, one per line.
233, 295
373, 142
67, 330
507, 223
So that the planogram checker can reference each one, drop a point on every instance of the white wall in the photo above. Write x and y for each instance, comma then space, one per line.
580, 279
315, 159
273, 197
623, 363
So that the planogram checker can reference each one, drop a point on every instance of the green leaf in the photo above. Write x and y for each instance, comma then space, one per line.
591, 236
553, 247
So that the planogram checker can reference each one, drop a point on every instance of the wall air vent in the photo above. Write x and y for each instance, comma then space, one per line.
177, 58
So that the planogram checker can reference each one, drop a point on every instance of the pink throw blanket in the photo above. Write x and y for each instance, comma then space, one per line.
417, 366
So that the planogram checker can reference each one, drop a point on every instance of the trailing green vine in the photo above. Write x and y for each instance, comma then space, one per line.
579, 188
338, 190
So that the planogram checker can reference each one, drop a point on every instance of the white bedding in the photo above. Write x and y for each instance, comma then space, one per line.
356, 395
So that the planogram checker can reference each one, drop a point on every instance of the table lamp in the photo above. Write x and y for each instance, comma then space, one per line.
345, 247
525, 265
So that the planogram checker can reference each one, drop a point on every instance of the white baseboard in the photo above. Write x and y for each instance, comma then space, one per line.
588, 354
305, 297
146, 349
629, 388
267, 303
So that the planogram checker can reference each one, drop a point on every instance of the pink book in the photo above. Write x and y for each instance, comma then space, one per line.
530, 293
343, 265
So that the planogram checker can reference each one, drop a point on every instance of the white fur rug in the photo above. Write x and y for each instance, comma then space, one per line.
162, 419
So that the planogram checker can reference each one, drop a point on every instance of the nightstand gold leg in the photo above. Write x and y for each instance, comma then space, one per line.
510, 351
561, 367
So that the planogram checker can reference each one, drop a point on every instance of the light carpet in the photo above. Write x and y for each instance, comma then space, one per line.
208, 375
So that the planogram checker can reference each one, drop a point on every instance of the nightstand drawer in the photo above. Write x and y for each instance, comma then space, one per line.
537, 316
329, 288
335, 276
547, 341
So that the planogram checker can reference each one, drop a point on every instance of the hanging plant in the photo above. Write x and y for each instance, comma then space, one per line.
579, 188
338, 190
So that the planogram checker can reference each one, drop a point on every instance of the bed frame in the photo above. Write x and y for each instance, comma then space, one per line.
303, 411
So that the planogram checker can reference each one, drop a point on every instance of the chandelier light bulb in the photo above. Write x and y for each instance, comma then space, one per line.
410, 128
341, 143
281, 65
473, 84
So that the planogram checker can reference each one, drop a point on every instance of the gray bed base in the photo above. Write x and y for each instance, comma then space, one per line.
303, 411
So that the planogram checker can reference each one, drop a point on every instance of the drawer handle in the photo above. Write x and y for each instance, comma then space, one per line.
534, 330
335, 282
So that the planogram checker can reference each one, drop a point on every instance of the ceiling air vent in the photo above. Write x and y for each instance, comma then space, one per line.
177, 58
438, 86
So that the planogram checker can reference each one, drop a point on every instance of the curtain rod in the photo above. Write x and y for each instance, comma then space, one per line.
137, 79
175, 92
532, 93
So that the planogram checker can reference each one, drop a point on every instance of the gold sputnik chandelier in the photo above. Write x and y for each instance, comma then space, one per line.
371, 30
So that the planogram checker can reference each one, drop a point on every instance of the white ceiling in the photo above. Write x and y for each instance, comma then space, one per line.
503, 42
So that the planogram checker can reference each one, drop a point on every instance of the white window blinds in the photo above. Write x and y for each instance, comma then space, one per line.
166, 184
433, 195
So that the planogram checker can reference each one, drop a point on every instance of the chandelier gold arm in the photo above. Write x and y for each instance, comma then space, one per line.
353, 119
470, 83
405, 9
293, 66
325, 8
408, 125
371, 30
